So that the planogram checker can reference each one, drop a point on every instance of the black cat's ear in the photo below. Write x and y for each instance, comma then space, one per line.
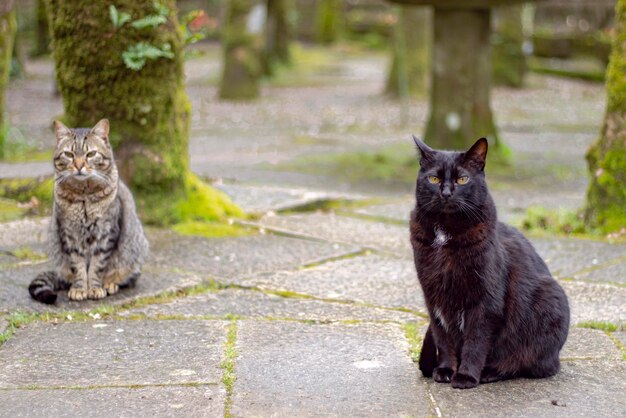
477, 154
61, 131
426, 152
101, 130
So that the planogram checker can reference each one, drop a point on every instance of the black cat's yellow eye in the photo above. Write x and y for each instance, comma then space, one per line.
68, 154
91, 154
433, 180
462, 180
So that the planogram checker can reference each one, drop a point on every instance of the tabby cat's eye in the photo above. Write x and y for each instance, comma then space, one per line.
433, 180
68, 154
462, 180
91, 154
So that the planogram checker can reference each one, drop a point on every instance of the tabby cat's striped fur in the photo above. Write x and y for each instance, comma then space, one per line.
95, 238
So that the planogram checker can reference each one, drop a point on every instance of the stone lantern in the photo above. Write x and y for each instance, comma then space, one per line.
460, 109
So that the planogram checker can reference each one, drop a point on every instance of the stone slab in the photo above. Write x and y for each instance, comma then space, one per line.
15, 280
26, 169
293, 369
107, 353
172, 401
23, 232
371, 279
569, 257
235, 258
254, 304
389, 238
581, 389
398, 210
595, 302
263, 198
589, 344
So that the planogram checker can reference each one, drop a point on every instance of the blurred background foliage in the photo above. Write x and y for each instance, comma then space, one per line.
282, 42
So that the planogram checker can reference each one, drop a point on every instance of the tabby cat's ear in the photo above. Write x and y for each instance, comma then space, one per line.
101, 130
477, 154
61, 131
426, 152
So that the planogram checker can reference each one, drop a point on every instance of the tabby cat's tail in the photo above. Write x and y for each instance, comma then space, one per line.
428, 356
43, 287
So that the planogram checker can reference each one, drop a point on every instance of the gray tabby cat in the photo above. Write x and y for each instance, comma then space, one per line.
95, 238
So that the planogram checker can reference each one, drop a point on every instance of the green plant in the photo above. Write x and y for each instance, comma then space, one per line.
136, 55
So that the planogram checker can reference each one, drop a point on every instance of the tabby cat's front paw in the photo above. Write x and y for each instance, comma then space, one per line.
97, 293
464, 381
77, 293
111, 288
442, 374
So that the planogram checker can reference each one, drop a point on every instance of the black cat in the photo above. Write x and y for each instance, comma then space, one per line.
496, 312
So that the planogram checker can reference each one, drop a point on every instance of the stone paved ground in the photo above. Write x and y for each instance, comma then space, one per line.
316, 313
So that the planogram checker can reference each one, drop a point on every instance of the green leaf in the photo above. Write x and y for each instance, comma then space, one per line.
160, 9
150, 21
118, 19
135, 56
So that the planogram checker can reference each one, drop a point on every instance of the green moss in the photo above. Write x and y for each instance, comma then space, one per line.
414, 339
24, 189
211, 229
196, 201
561, 221
228, 366
602, 325
14, 321
10, 211
606, 196
328, 20
27, 253
8, 28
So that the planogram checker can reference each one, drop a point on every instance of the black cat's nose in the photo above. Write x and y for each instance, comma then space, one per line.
446, 192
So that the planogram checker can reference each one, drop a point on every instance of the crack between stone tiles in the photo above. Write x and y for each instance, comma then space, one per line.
229, 376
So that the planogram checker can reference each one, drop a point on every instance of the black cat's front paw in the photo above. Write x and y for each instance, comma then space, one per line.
463, 381
442, 374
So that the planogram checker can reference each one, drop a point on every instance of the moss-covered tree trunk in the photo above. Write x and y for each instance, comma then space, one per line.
509, 61
328, 20
41, 46
8, 27
148, 108
277, 34
242, 47
460, 110
411, 50
606, 196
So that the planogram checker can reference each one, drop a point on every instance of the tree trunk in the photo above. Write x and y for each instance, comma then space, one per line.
148, 108
328, 20
277, 34
460, 110
41, 45
509, 61
606, 196
8, 27
411, 49
242, 53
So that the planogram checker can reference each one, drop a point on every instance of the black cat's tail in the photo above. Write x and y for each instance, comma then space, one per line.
428, 356
43, 287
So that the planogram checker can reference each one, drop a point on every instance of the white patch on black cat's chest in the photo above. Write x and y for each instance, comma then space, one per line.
441, 238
